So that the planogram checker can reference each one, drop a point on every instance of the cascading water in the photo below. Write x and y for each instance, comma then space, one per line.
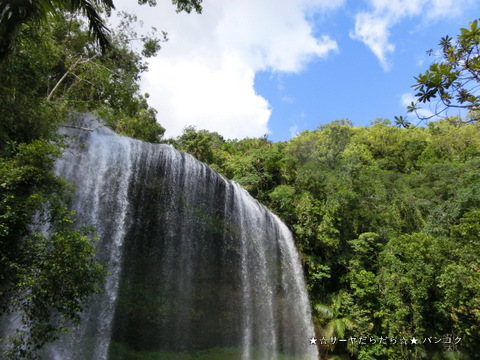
197, 267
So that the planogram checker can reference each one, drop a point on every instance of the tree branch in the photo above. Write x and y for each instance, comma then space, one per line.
82, 128
80, 60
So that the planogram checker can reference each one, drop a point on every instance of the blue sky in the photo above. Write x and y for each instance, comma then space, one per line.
246, 68
352, 84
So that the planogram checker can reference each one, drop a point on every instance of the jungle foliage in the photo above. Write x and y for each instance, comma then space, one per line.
386, 218
387, 222
58, 58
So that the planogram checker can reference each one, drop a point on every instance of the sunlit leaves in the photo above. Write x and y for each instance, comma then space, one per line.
50, 293
182, 5
46, 277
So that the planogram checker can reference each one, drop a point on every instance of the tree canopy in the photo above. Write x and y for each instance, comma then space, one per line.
14, 13
384, 218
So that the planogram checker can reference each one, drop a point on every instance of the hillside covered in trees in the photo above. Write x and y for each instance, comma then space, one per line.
386, 218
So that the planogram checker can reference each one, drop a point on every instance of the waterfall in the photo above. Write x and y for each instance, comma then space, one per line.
197, 267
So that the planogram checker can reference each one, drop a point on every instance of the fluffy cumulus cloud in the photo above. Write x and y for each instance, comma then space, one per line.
373, 27
204, 75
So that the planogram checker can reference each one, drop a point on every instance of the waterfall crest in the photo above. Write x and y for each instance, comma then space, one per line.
196, 265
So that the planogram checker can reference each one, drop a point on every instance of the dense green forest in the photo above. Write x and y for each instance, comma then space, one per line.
386, 217
387, 220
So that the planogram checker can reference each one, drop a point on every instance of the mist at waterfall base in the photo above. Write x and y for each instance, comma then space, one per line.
197, 267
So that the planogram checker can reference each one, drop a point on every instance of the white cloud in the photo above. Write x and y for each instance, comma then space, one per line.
299, 123
204, 75
373, 27
373, 31
446, 8
222, 99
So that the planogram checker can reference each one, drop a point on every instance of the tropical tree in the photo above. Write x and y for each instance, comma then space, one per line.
201, 144
46, 276
13, 13
453, 82
334, 321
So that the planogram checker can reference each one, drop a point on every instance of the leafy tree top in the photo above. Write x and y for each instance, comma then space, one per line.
14, 13
453, 82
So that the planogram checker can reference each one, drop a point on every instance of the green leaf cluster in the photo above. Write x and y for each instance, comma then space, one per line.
15, 13
452, 82
47, 268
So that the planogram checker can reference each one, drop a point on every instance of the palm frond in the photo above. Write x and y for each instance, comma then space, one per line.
13, 13
340, 325
324, 311
96, 24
